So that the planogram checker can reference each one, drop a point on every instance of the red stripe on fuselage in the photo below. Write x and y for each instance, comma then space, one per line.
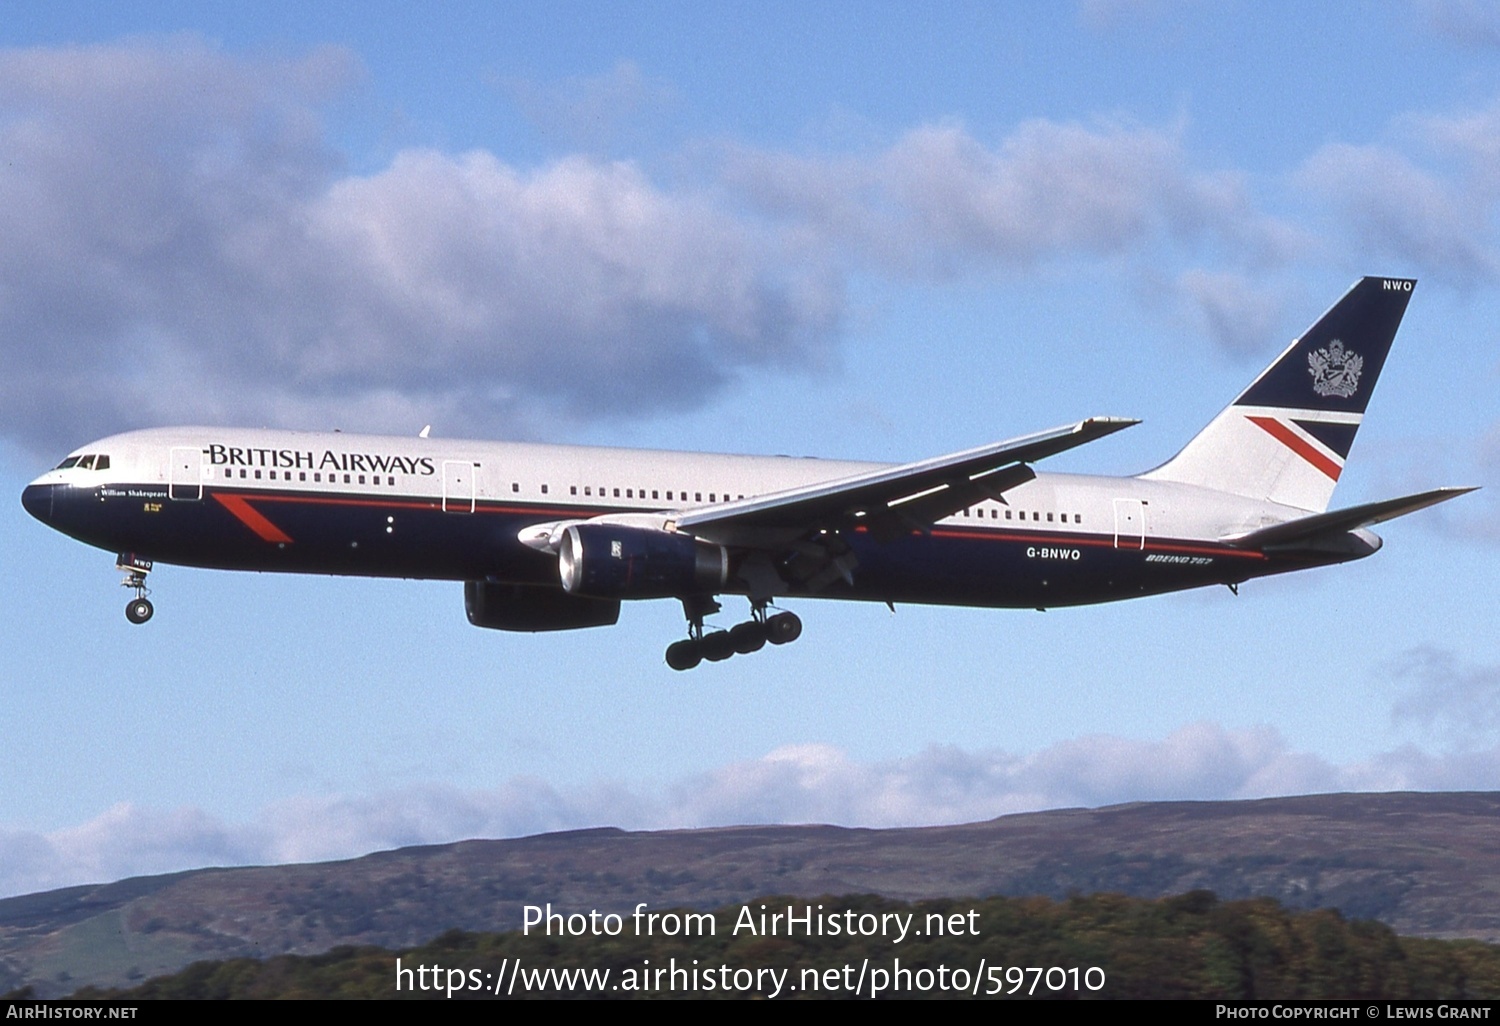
1295, 442
246, 514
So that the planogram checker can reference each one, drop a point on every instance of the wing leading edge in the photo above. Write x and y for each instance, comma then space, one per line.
894, 500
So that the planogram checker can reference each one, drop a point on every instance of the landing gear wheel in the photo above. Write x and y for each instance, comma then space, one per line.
139, 610
684, 655
783, 628
748, 637
717, 646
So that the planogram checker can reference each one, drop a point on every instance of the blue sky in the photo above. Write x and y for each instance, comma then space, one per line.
875, 231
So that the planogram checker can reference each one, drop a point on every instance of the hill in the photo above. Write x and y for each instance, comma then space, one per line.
1426, 865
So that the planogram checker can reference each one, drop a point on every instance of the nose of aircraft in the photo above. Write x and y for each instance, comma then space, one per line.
37, 499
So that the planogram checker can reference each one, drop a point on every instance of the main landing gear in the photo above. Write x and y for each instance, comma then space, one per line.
742, 639
139, 609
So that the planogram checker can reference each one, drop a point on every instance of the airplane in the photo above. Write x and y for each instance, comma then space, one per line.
549, 537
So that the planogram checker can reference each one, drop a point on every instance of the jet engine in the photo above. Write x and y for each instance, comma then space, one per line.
614, 561
527, 607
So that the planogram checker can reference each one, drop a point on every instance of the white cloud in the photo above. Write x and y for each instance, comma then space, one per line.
1396, 209
1453, 701
811, 783
177, 243
940, 202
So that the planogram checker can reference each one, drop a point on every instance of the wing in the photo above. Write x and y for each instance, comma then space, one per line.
892, 501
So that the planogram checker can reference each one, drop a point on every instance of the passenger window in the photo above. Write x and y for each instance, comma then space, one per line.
544, 489
572, 489
1077, 518
588, 489
653, 493
1049, 518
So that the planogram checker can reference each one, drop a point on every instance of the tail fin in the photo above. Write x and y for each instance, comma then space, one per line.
1285, 439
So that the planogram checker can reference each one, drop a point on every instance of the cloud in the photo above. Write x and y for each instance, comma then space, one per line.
180, 242
177, 243
1240, 317
1423, 220
938, 202
1427, 197
1450, 700
809, 783
1472, 24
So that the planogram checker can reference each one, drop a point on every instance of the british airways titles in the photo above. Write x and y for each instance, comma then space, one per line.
307, 459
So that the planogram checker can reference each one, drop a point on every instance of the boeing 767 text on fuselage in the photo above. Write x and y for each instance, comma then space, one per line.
550, 537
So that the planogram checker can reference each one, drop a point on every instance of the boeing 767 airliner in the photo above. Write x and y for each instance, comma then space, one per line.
549, 537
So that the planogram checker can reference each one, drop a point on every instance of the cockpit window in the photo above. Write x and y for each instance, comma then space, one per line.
88, 461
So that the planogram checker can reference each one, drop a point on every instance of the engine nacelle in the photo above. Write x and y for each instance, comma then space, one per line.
527, 607
615, 561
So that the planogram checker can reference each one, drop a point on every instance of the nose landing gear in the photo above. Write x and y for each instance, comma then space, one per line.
742, 639
139, 609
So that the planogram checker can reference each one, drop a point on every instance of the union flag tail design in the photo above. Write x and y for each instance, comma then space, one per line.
1285, 439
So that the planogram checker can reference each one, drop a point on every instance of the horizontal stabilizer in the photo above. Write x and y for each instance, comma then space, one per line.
1340, 521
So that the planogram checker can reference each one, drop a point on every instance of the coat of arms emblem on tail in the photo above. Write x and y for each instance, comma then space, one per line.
1334, 370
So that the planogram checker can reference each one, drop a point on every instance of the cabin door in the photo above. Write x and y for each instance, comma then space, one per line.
1130, 524
458, 486
185, 481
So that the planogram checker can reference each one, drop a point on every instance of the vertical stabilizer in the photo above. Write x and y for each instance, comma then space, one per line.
1285, 439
